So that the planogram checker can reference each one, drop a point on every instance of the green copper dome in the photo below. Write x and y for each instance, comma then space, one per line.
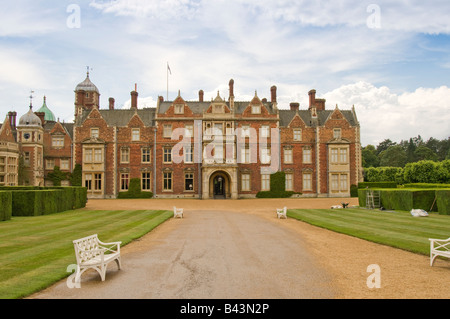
49, 116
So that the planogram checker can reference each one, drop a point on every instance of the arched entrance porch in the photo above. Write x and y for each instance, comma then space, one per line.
219, 184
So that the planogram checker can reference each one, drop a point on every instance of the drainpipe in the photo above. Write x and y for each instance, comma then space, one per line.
154, 162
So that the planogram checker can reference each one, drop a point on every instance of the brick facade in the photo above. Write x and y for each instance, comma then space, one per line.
230, 151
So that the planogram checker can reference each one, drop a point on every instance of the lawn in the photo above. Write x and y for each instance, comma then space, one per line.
35, 251
397, 229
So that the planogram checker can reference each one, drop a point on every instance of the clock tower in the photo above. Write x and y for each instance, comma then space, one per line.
30, 135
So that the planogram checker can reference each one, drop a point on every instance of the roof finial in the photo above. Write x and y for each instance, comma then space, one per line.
31, 99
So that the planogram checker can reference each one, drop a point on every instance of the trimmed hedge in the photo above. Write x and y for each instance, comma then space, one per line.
377, 185
430, 200
36, 201
5, 206
443, 201
426, 185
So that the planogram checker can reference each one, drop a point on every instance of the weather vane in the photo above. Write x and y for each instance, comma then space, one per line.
31, 98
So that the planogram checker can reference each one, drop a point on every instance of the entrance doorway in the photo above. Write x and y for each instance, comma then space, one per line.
219, 187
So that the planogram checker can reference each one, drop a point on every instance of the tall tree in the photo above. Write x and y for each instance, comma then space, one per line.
369, 156
394, 156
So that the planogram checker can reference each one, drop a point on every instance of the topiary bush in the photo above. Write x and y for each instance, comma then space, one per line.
134, 191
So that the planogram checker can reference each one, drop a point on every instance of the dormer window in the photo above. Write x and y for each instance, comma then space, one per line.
94, 133
179, 109
256, 109
337, 133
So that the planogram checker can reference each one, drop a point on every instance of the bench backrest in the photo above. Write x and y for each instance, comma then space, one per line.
86, 248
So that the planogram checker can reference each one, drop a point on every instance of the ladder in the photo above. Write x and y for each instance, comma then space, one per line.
372, 199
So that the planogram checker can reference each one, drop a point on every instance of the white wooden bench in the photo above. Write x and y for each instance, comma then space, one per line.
439, 247
177, 212
281, 212
91, 253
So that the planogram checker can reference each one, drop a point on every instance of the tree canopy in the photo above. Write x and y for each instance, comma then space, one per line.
392, 154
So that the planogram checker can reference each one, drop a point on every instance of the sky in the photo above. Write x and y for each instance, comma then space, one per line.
388, 59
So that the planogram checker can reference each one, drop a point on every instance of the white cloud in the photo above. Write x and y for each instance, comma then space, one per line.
383, 114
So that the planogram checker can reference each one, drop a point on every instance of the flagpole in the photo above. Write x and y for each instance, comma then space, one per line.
167, 81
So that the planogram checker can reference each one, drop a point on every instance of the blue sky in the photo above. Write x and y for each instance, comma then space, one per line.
389, 59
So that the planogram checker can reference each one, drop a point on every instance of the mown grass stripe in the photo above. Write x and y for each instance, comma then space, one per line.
401, 231
35, 251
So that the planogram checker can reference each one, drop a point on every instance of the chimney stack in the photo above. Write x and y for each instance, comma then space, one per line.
273, 91
201, 95
12, 119
295, 106
134, 98
231, 84
312, 98
111, 103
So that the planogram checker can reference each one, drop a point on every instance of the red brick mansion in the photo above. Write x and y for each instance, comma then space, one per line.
221, 148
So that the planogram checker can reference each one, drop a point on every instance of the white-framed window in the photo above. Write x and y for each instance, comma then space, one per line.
256, 109
288, 156
339, 183
124, 181
189, 182
265, 155
88, 155
26, 159
135, 134
95, 132
179, 109
98, 155
167, 157
245, 182
339, 155
343, 155
58, 141
146, 181
297, 134
125, 155
188, 154
146, 155
65, 164
289, 181
265, 182
307, 181
265, 131
307, 158
167, 133
245, 155
245, 130
167, 181
49, 163
337, 133
189, 130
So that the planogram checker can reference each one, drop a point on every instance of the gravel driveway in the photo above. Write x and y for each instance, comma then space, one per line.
239, 249
209, 254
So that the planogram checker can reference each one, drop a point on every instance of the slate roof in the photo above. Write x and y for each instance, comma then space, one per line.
121, 118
